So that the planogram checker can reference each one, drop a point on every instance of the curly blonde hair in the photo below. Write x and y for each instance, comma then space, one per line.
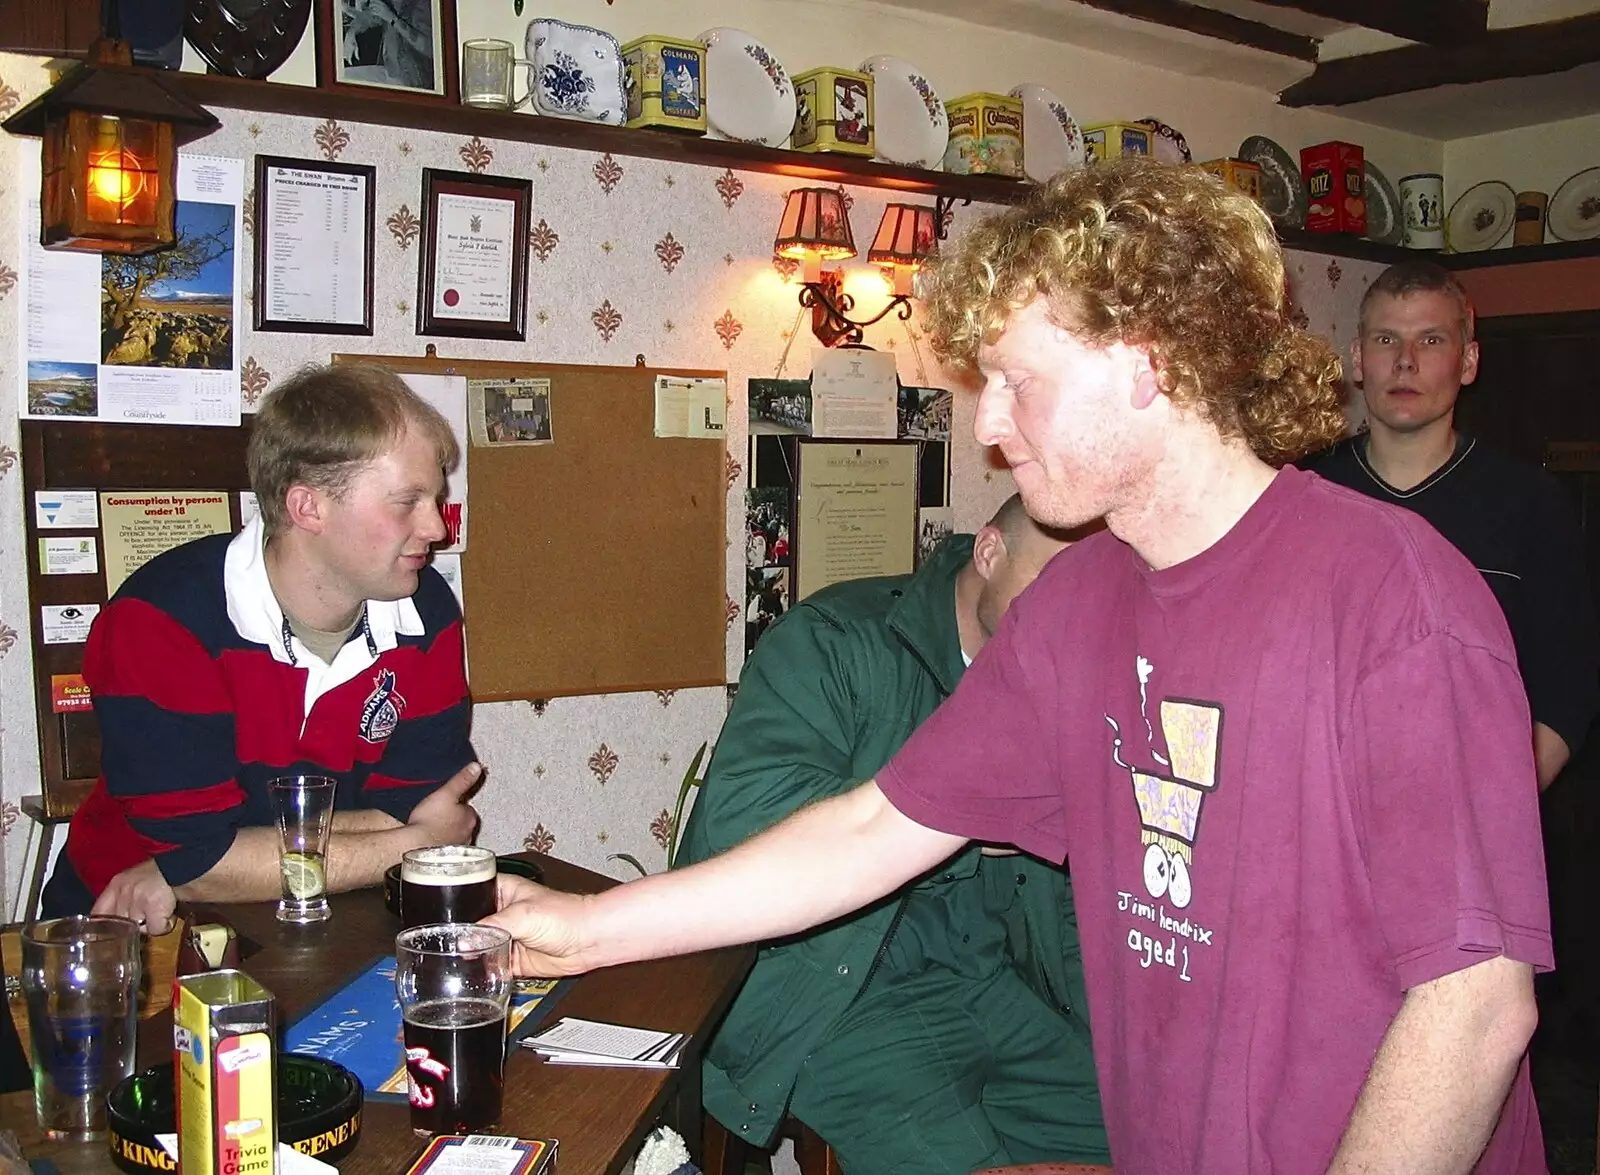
1164, 258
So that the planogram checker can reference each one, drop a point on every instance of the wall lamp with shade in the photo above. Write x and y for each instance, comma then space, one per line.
816, 227
109, 163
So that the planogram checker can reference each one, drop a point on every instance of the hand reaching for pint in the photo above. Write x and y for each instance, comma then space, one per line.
545, 939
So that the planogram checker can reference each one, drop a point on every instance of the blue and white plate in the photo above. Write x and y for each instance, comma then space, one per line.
577, 72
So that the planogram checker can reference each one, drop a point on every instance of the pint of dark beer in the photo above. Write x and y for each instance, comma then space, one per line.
454, 982
446, 883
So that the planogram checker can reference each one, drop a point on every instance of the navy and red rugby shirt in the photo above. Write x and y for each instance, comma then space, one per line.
201, 700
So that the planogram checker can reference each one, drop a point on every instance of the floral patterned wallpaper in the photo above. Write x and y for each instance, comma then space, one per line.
627, 256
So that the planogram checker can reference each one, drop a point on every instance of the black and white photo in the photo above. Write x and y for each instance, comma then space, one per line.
404, 46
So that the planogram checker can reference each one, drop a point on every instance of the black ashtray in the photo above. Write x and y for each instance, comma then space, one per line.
319, 1113
515, 866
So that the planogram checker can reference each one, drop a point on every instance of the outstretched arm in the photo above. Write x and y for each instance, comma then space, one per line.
826, 860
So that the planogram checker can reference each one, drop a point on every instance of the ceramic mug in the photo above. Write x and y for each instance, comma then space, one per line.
1529, 226
1422, 199
488, 74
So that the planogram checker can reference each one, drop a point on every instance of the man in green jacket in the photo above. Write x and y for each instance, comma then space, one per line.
943, 1029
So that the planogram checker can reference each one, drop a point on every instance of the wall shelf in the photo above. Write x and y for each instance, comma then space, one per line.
388, 110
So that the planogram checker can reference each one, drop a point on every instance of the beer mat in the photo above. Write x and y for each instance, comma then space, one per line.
290, 1161
571, 1041
359, 1026
485, 1154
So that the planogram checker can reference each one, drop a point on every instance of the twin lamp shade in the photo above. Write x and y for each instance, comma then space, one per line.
816, 227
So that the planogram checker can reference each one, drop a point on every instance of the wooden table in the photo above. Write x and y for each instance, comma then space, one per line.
599, 1116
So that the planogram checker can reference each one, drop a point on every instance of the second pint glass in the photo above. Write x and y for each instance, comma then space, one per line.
454, 981
446, 883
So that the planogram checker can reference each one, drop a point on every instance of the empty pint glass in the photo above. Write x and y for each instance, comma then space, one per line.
80, 978
454, 981
303, 806
446, 883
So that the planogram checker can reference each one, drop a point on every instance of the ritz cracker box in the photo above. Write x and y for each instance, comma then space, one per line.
833, 111
1336, 191
985, 135
224, 1048
666, 83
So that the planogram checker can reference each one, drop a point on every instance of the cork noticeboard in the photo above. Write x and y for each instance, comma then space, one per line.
594, 564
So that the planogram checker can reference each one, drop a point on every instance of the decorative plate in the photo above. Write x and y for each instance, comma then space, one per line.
1481, 217
246, 38
577, 72
1283, 192
750, 97
912, 128
1574, 213
1052, 141
1385, 223
1167, 144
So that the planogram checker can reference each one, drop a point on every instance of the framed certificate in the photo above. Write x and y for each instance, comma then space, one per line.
314, 241
472, 277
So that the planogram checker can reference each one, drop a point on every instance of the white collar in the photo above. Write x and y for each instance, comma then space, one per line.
258, 617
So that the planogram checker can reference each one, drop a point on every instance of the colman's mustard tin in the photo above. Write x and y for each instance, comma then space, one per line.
1239, 174
666, 81
833, 111
1112, 140
985, 135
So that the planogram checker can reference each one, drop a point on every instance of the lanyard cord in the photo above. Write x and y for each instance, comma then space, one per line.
366, 631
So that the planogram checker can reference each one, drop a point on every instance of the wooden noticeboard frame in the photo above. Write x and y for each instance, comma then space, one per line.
90, 455
594, 564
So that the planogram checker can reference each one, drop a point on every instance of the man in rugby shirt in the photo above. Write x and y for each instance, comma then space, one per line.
316, 640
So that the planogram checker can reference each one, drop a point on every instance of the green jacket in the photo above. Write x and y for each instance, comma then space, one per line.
833, 690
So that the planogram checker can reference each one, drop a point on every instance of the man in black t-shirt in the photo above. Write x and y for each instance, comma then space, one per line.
1414, 352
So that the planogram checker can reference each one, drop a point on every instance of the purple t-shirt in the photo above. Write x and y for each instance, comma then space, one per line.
1294, 776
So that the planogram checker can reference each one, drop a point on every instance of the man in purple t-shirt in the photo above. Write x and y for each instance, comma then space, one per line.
1276, 727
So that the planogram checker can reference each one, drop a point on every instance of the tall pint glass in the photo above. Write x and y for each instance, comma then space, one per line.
446, 883
454, 982
80, 978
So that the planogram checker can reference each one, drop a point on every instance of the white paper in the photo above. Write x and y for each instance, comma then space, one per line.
591, 1042
449, 566
691, 406
166, 350
290, 1161
248, 508
474, 258
315, 246
65, 510
854, 394
67, 624
69, 556
448, 393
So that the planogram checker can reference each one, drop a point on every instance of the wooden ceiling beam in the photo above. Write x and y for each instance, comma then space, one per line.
1432, 22
1208, 22
1524, 51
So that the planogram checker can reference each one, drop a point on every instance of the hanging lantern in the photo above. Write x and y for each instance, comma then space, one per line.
109, 161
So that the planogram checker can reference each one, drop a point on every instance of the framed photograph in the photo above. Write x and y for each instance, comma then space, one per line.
403, 47
855, 511
314, 245
472, 276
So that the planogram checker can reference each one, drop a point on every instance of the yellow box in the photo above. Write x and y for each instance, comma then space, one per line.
666, 83
1239, 174
833, 111
1111, 140
225, 1066
985, 135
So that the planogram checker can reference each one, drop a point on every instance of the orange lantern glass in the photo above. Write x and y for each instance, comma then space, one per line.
109, 159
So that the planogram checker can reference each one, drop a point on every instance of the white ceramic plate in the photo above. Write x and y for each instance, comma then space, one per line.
912, 127
1574, 212
1051, 138
1166, 143
1481, 217
1385, 224
577, 72
750, 96
1283, 191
